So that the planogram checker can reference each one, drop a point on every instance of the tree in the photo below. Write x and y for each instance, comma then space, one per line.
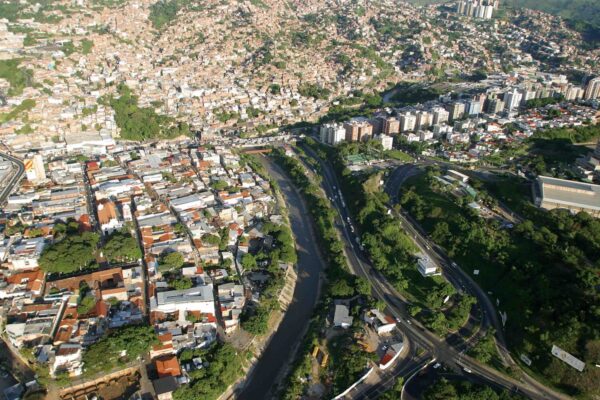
118, 348
363, 286
181, 283
212, 240
86, 305
441, 390
224, 368
138, 123
73, 252
341, 288
170, 261
121, 246
249, 262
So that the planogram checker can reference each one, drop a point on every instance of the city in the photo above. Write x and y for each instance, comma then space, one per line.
273, 199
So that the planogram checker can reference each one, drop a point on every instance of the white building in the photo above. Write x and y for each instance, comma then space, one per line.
408, 121
341, 317
68, 358
199, 298
427, 267
592, 90
512, 99
34, 169
387, 142
26, 253
332, 133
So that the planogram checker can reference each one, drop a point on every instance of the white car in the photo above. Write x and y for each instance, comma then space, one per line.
437, 365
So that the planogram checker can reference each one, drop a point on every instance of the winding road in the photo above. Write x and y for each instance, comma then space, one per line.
6, 190
451, 355
282, 348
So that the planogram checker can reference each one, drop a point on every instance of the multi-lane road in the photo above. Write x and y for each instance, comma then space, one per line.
16, 176
452, 356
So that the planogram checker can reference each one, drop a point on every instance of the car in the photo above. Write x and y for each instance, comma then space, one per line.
437, 365
467, 370
398, 320
408, 322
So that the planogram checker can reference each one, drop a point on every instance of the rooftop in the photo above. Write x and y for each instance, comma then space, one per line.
570, 193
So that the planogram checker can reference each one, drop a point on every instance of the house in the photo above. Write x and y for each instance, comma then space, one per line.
426, 266
341, 317
380, 322
107, 217
67, 358
168, 366
164, 387
26, 253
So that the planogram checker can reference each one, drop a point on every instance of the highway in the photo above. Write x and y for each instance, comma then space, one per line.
8, 188
442, 351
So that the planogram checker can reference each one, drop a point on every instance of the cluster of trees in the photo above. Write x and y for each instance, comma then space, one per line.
315, 91
462, 390
86, 304
224, 366
538, 103
408, 94
19, 78
181, 283
485, 349
25, 106
531, 269
349, 359
256, 320
170, 261
138, 123
71, 251
580, 134
121, 246
163, 12
118, 348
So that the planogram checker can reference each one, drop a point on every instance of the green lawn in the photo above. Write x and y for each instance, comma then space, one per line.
399, 155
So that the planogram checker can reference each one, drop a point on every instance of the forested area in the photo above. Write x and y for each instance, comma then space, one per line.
544, 272
71, 250
137, 123
579, 134
117, 349
256, 320
121, 246
392, 251
444, 389
224, 367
